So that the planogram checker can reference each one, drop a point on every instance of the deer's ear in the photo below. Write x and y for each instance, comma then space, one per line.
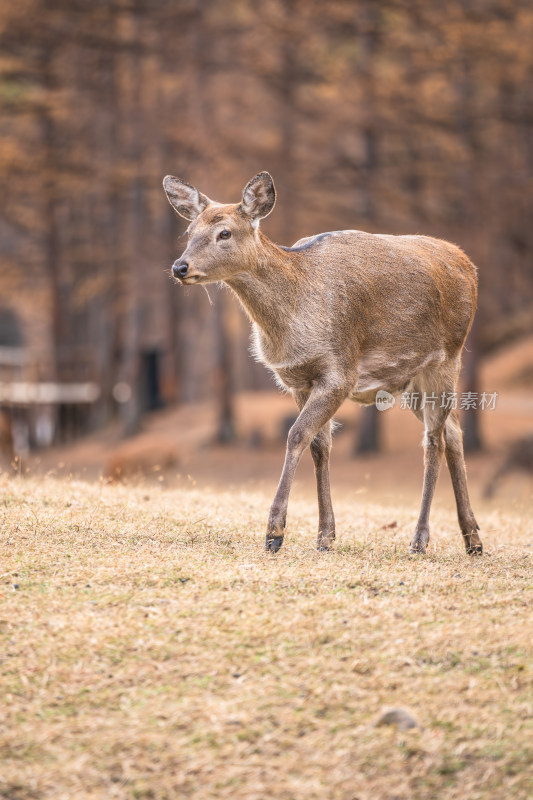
184, 198
258, 197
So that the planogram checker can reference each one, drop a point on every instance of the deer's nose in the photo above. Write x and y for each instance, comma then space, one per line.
180, 269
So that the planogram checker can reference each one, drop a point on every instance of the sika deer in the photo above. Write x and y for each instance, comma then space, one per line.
341, 315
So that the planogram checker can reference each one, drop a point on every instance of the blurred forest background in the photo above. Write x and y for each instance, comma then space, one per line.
398, 117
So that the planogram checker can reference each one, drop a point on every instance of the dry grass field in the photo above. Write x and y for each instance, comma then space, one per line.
151, 649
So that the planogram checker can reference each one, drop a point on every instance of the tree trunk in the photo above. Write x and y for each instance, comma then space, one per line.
131, 246
368, 435
223, 380
470, 418
52, 239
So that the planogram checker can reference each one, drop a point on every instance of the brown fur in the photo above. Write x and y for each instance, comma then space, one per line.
342, 315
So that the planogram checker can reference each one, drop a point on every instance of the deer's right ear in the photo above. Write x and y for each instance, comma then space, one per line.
187, 201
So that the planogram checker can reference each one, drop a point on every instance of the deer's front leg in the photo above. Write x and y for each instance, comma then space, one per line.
323, 401
320, 450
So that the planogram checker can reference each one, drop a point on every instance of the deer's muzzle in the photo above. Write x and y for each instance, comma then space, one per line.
180, 269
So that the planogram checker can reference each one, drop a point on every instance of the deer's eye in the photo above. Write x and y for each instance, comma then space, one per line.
225, 234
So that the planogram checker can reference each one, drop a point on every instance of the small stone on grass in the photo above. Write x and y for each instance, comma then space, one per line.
401, 719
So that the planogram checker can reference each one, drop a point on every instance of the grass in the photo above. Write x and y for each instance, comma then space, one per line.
151, 649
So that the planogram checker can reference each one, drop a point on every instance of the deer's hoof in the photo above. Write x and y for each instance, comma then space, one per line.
419, 542
325, 543
473, 545
273, 543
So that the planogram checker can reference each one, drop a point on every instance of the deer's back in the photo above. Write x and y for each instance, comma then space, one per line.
394, 304
391, 285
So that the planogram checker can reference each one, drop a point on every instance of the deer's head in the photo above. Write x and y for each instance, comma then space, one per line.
222, 238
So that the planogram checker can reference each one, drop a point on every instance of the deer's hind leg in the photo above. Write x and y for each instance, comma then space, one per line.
456, 465
434, 422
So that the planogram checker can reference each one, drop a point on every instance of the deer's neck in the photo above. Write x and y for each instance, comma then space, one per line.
269, 289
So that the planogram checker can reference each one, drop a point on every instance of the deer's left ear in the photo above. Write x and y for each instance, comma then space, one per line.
258, 197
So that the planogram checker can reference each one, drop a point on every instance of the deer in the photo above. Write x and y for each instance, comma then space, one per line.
341, 315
